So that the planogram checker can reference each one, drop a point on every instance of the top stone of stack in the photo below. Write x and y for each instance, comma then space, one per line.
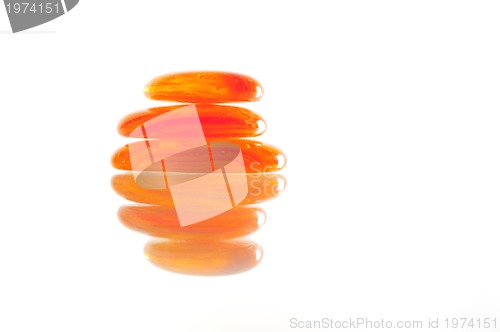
204, 87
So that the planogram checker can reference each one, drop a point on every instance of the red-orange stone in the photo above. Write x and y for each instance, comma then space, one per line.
162, 221
204, 258
258, 157
217, 121
204, 87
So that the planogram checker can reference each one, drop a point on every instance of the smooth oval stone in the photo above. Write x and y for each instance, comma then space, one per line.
162, 221
204, 258
261, 187
204, 87
217, 121
257, 156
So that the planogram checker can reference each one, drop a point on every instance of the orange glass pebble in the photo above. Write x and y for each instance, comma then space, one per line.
261, 187
204, 87
217, 121
258, 157
204, 258
162, 221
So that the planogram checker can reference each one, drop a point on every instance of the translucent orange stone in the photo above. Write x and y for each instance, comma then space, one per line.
204, 87
204, 258
258, 157
261, 187
162, 221
217, 121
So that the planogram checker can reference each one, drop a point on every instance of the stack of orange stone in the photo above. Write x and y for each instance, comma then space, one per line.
214, 246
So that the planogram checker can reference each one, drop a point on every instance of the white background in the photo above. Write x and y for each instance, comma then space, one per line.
389, 113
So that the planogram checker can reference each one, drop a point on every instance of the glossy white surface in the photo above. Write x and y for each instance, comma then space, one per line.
388, 112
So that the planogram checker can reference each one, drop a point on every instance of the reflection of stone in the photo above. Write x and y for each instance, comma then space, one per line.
162, 221
261, 187
202, 257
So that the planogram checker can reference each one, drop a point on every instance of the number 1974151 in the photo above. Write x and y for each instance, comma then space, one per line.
33, 8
